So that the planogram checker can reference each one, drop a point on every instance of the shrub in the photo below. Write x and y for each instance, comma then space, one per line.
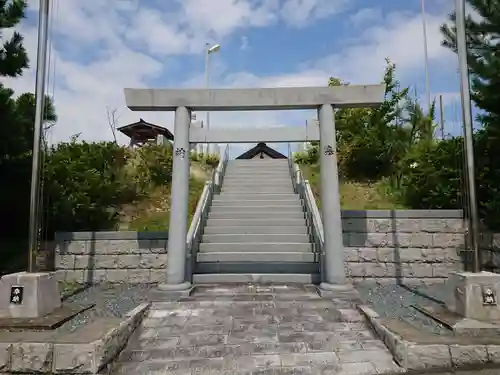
153, 165
432, 179
435, 178
84, 185
212, 160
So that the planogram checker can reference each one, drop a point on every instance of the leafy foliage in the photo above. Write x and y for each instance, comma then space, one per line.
13, 56
153, 165
84, 185
483, 34
373, 143
16, 126
211, 160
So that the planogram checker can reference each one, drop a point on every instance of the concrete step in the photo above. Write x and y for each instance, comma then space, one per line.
217, 229
285, 222
263, 185
278, 266
269, 175
257, 170
264, 278
241, 248
257, 181
231, 214
260, 176
258, 189
261, 173
256, 196
255, 238
257, 177
256, 203
263, 210
255, 257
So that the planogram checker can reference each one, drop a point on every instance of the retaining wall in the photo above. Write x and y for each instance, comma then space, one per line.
115, 257
490, 243
380, 246
409, 245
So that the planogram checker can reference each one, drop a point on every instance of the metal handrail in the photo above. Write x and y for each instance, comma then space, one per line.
218, 175
200, 217
312, 213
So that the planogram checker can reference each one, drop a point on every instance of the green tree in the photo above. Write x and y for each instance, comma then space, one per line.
483, 34
370, 139
17, 116
13, 56
483, 58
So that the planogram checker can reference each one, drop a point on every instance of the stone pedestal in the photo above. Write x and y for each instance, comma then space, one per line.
475, 295
28, 295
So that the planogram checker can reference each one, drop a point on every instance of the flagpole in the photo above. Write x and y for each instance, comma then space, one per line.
468, 131
426, 57
41, 69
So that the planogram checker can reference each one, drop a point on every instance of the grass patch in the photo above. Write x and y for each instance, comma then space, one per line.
355, 195
68, 287
153, 212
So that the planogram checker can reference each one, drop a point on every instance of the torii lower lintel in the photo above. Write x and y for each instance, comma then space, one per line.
281, 134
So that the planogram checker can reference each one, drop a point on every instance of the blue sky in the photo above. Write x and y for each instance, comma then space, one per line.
101, 46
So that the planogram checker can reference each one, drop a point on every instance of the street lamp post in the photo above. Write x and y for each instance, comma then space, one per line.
426, 57
209, 50
468, 130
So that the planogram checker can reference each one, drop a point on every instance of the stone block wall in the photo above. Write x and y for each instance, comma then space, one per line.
490, 256
115, 257
412, 246
380, 246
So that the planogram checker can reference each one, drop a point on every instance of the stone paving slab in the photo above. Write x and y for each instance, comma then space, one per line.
232, 330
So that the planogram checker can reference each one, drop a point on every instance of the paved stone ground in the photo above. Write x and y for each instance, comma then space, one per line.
272, 329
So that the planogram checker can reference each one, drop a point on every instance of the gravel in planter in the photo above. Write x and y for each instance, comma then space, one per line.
111, 300
394, 301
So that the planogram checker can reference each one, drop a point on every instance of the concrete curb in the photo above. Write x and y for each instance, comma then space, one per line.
73, 353
428, 358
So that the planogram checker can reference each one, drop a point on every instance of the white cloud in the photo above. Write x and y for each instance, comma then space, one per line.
302, 12
366, 16
105, 45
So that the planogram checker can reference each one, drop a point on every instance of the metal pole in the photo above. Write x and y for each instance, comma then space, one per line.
441, 115
41, 69
207, 85
468, 130
426, 54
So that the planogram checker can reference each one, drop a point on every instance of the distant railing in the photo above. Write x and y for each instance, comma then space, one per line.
200, 216
218, 175
312, 213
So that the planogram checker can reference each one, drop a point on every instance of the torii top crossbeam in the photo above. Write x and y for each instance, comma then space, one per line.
254, 98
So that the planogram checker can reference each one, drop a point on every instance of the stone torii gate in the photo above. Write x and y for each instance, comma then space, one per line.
324, 99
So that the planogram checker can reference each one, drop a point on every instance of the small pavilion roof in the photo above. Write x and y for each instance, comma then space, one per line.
262, 147
143, 130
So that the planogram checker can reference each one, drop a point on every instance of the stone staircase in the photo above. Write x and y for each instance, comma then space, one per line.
256, 229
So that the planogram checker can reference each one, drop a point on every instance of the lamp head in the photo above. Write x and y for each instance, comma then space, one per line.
214, 48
